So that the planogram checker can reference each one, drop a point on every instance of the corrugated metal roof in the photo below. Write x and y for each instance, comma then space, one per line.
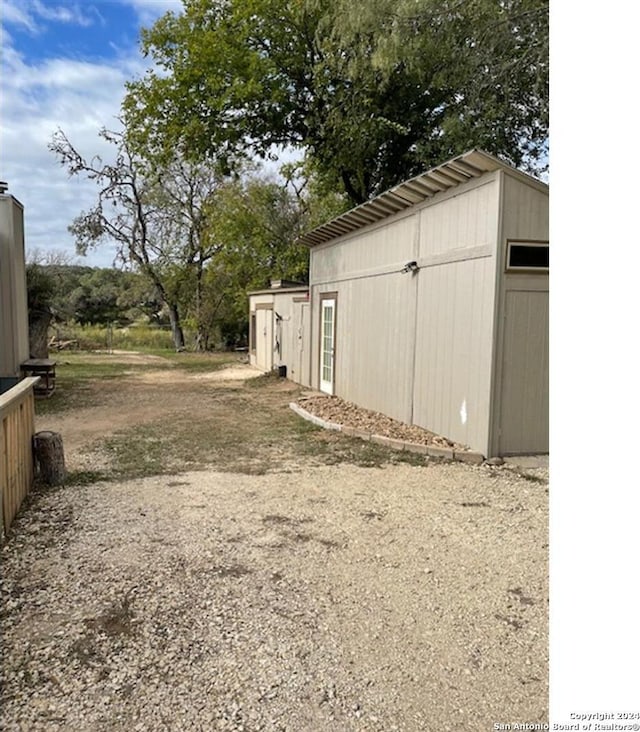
459, 170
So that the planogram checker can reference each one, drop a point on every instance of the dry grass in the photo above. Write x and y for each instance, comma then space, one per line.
128, 417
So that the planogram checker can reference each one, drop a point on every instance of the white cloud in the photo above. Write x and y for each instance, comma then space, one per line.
62, 13
150, 10
30, 14
79, 97
13, 14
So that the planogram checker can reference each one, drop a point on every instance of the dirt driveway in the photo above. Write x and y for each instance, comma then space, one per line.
297, 580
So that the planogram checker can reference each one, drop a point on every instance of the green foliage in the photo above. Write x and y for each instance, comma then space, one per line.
90, 295
500, 75
100, 337
152, 212
197, 240
40, 290
256, 222
373, 92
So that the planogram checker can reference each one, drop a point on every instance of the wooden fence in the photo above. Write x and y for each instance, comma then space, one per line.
17, 417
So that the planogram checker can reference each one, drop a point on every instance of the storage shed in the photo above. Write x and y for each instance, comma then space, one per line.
278, 319
429, 304
14, 328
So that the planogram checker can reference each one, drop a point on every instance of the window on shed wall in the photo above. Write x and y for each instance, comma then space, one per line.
527, 256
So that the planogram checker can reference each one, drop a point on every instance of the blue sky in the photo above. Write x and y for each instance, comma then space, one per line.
64, 65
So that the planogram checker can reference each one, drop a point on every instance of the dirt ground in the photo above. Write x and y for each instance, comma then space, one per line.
297, 586
141, 397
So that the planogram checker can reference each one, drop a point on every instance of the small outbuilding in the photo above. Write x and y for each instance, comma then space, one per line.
430, 304
14, 328
278, 319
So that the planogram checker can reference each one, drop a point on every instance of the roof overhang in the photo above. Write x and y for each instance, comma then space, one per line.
453, 173
280, 290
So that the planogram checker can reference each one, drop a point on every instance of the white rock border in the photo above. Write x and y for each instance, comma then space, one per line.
445, 453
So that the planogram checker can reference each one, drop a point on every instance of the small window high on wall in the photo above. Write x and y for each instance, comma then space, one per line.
527, 256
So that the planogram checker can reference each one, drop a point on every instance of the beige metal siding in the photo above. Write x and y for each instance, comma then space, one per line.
14, 328
375, 314
417, 347
520, 423
464, 220
526, 210
453, 351
524, 412
374, 342
301, 372
375, 306
256, 302
264, 339
369, 253
286, 345
456, 300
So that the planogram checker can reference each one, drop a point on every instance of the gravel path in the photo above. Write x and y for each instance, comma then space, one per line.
321, 599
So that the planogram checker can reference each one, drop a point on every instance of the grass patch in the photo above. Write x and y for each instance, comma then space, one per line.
242, 427
85, 477
264, 380
240, 435
80, 376
138, 452
76, 380
331, 448
200, 362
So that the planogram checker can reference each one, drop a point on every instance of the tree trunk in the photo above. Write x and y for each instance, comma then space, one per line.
49, 455
176, 327
38, 334
200, 327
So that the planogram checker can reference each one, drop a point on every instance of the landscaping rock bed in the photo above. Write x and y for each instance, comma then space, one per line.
334, 409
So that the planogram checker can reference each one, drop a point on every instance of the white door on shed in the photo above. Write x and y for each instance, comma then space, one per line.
327, 344
303, 364
264, 339
524, 410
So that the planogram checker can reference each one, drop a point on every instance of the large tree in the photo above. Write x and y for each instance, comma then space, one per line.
154, 214
373, 92
255, 221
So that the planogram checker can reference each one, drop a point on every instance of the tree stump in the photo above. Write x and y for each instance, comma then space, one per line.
49, 457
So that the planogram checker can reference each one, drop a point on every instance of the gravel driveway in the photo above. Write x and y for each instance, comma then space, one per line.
328, 597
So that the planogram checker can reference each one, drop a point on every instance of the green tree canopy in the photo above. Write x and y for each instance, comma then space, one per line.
373, 92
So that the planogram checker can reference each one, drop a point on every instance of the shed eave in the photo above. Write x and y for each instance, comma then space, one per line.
279, 290
448, 175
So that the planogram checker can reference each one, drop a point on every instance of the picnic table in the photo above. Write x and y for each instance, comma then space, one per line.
45, 368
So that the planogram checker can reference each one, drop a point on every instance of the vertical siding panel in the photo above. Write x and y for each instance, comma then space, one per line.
525, 373
454, 334
522, 379
526, 211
